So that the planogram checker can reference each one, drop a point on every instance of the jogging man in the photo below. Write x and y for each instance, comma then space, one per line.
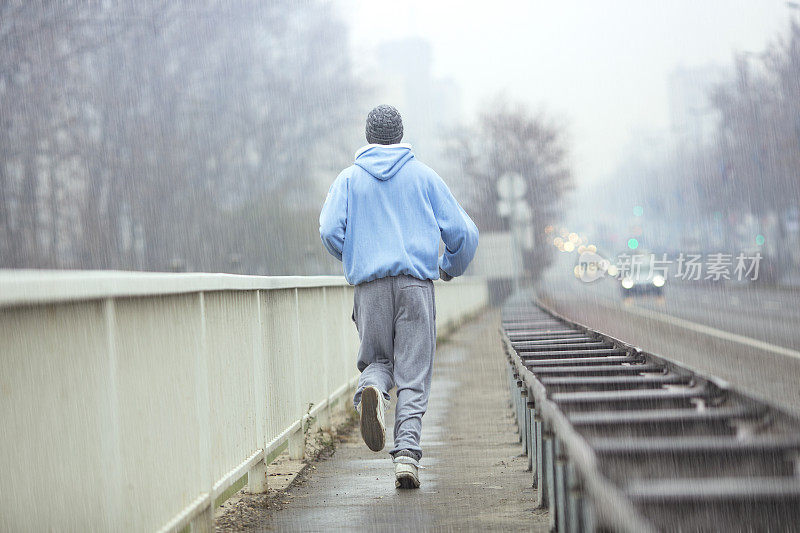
384, 217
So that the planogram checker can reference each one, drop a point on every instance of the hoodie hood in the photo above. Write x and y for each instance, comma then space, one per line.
383, 161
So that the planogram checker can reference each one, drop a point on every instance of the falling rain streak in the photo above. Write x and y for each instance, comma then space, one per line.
635, 166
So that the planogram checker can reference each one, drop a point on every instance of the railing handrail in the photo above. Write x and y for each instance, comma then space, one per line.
51, 286
28, 287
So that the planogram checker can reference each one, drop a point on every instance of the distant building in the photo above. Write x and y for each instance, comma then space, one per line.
401, 75
430, 106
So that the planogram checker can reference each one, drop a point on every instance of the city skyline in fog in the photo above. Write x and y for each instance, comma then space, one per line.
603, 68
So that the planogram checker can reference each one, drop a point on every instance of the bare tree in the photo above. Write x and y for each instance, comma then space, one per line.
510, 138
142, 135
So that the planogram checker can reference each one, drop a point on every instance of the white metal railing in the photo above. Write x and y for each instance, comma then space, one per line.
132, 401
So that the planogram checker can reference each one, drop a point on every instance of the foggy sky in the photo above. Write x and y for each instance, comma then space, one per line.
600, 65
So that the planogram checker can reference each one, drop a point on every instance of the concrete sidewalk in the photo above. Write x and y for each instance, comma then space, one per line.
475, 476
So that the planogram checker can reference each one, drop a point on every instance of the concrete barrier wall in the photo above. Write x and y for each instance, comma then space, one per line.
132, 401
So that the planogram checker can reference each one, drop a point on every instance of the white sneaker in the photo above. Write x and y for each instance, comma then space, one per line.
373, 427
406, 472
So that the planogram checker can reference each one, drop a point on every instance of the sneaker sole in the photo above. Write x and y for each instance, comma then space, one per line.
371, 431
406, 481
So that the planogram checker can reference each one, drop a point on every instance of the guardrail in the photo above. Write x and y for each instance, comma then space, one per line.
134, 401
619, 439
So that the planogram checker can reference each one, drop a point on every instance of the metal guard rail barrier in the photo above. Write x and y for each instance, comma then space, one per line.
135, 401
623, 440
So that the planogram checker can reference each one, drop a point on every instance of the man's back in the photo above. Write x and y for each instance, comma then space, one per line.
396, 209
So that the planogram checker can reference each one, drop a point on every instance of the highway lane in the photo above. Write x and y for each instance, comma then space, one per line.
747, 335
768, 314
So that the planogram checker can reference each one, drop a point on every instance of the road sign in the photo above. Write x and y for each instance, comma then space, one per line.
518, 210
511, 189
511, 186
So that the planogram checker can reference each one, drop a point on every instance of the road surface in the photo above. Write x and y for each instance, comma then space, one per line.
748, 335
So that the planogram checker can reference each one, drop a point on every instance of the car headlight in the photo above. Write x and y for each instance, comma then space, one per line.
659, 281
627, 283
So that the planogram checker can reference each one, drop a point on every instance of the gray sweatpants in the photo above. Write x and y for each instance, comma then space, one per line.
396, 321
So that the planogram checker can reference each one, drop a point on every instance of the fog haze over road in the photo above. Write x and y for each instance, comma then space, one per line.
603, 66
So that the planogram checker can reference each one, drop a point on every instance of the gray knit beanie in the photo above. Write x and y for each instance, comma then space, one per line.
384, 125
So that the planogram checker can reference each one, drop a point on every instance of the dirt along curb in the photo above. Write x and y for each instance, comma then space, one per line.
243, 510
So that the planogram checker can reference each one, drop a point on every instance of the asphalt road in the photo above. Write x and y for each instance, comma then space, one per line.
748, 335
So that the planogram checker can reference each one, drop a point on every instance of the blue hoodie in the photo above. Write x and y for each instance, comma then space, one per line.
385, 215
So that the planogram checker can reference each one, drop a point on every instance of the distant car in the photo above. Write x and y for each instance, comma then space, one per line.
643, 282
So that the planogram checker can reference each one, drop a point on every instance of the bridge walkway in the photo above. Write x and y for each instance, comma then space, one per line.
475, 476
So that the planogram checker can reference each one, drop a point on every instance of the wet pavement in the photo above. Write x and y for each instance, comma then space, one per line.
475, 476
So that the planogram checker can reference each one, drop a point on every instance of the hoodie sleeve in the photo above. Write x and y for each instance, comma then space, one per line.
459, 233
333, 218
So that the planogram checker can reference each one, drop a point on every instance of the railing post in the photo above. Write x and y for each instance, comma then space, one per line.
350, 348
324, 417
204, 521
257, 476
344, 349
112, 456
297, 439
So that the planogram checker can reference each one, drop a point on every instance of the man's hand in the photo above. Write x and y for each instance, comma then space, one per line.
444, 275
